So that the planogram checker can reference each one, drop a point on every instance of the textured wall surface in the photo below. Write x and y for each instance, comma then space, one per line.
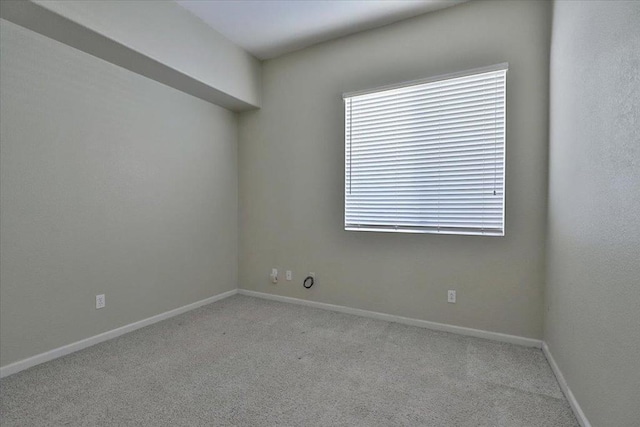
292, 174
110, 183
592, 322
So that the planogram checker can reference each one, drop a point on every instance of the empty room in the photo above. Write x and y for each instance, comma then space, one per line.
320, 213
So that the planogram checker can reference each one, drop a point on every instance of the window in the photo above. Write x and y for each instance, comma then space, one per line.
428, 156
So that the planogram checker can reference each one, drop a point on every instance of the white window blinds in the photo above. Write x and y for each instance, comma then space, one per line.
428, 156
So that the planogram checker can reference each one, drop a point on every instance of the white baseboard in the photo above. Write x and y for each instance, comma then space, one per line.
577, 410
495, 336
27, 363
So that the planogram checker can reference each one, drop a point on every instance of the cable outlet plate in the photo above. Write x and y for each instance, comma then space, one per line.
100, 301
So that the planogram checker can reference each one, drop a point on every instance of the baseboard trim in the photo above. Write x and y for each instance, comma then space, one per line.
29, 362
479, 333
575, 406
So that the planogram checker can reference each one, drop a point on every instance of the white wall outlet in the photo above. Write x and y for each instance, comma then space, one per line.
289, 275
274, 275
100, 301
451, 296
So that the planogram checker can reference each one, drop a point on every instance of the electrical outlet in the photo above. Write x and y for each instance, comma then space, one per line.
100, 301
274, 275
289, 275
451, 297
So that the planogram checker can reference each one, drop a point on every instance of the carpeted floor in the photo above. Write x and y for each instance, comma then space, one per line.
250, 362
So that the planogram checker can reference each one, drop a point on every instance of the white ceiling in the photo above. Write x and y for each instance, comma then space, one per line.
269, 28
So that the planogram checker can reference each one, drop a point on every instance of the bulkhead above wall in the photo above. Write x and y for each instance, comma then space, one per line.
159, 40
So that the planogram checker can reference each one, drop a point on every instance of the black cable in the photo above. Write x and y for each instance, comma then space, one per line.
309, 278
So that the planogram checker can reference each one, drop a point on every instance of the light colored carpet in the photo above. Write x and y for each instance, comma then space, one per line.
250, 362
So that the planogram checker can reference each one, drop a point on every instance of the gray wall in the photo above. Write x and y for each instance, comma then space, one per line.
291, 157
592, 322
110, 183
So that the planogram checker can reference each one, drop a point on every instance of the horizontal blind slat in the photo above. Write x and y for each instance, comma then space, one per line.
427, 111
429, 135
484, 121
462, 129
447, 103
385, 173
416, 154
436, 141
